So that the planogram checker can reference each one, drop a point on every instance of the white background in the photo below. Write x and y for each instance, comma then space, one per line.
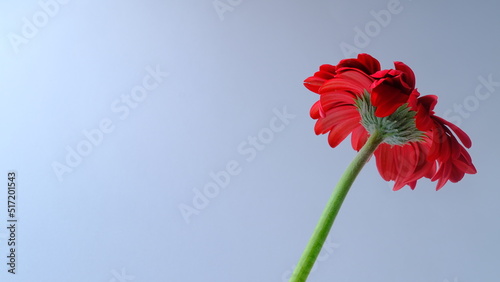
115, 215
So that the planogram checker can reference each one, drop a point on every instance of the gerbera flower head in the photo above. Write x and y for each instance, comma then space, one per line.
357, 98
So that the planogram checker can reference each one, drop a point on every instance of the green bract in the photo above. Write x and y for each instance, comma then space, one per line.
397, 129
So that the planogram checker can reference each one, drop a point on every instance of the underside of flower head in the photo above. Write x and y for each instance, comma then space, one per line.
357, 99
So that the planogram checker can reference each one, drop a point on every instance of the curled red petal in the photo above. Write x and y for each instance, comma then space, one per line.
464, 138
363, 62
409, 75
372, 64
316, 111
425, 106
327, 71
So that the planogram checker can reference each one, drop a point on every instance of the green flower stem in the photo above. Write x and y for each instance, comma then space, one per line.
325, 223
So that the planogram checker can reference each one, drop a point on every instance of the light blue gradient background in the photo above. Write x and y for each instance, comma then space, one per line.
119, 209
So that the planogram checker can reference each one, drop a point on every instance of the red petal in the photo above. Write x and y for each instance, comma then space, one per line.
341, 131
351, 81
327, 71
335, 99
359, 137
385, 162
364, 63
316, 110
443, 174
313, 83
336, 116
425, 106
361, 79
370, 62
387, 99
409, 76
440, 148
464, 138
407, 161
428, 102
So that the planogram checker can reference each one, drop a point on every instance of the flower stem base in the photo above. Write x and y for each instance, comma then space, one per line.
326, 220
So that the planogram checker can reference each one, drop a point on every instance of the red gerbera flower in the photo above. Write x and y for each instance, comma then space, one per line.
356, 98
